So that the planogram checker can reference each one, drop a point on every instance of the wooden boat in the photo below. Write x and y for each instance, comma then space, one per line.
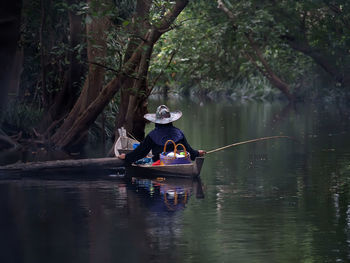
190, 170
124, 145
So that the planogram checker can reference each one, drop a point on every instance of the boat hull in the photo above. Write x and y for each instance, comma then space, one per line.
191, 170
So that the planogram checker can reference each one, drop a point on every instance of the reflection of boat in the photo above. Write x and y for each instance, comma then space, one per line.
125, 144
166, 194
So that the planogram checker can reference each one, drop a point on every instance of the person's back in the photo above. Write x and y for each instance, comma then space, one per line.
156, 139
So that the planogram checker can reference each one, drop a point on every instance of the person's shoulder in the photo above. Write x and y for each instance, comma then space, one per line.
150, 136
177, 129
151, 133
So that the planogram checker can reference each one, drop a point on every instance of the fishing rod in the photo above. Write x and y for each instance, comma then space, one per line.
245, 142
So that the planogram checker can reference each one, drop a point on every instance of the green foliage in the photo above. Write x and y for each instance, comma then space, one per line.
208, 48
211, 49
107, 120
256, 88
322, 29
22, 117
197, 44
208, 52
52, 48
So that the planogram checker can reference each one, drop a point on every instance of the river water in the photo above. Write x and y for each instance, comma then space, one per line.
274, 201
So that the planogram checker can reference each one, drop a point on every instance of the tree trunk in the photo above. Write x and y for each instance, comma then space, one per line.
15, 76
10, 19
134, 104
139, 27
45, 93
65, 136
97, 48
138, 122
67, 96
81, 123
137, 101
96, 51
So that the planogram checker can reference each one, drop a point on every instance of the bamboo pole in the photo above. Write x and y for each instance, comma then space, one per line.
245, 142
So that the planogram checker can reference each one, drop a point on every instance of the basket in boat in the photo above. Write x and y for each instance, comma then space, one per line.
167, 160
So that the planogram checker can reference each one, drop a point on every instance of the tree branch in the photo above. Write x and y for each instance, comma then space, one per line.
267, 72
102, 66
223, 7
161, 73
170, 17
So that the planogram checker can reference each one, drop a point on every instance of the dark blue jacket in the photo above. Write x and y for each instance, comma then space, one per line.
155, 141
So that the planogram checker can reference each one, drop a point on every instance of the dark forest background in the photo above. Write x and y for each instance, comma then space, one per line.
72, 70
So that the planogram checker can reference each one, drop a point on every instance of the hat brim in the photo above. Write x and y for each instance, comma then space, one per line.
173, 117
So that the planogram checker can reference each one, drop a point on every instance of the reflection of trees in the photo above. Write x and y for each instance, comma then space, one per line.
74, 221
279, 209
111, 223
87, 221
164, 201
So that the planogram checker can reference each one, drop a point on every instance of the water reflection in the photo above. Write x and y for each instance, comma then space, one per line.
103, 220
274, 201
166, 194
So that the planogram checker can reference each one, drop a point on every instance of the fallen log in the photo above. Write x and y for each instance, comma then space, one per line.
63, 165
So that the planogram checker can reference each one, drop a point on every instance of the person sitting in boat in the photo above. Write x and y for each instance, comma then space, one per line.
163, 131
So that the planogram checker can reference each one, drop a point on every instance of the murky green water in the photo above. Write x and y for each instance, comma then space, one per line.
273, 201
